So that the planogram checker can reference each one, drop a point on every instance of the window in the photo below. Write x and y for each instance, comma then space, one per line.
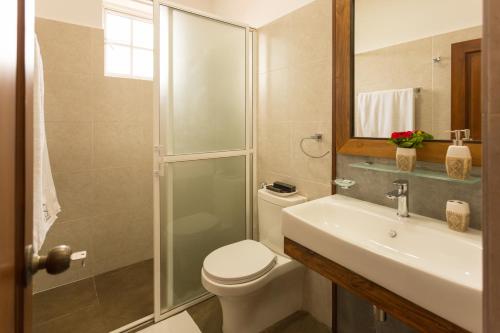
128, 46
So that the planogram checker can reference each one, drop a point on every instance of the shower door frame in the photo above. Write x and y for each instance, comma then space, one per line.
161, 160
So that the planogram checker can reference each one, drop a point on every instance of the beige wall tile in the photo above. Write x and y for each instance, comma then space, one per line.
274, 96
67, 96
311, 32
75, 194
307, 168
274, 147
295, 101
124, 188
118, 99
70, 145
121, 239
118, 144
310, 96
97, 49
96, 125
65, 47
275, 43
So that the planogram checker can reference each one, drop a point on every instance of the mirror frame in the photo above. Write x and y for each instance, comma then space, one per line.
345, 143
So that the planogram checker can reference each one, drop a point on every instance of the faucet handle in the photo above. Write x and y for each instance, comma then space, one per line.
401, 183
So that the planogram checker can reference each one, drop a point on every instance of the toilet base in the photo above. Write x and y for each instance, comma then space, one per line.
252, 313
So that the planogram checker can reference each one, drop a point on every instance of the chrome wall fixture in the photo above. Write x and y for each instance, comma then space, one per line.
317, 137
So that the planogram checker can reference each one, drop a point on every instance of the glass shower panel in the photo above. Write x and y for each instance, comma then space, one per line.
203, 207
207, 85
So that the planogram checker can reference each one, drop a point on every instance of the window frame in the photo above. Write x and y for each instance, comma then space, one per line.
130, 46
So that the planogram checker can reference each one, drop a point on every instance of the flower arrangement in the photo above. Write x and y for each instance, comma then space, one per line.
410, 139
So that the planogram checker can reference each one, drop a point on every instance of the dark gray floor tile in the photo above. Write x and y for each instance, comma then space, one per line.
299, 322
126, 294
86, 320
207, 315
57, 302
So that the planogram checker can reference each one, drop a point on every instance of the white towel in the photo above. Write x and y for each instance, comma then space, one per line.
45, 203
382, 112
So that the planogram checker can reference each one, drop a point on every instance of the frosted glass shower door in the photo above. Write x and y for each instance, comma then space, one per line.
204, 151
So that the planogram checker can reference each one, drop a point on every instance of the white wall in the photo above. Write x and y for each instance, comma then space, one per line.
81, 12
382, 23
255, 13
89, 12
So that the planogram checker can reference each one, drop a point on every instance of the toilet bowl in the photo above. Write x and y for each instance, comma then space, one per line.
256, 283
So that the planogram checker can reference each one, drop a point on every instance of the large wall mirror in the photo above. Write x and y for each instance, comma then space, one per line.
406, 65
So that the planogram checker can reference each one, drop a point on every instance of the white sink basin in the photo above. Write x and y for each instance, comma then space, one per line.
426, 263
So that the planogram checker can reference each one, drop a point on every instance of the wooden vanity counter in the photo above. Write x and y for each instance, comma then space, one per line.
398, 307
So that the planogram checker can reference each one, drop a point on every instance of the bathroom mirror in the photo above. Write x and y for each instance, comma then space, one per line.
417, 65
407, 65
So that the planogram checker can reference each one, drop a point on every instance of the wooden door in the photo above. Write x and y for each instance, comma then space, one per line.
466, 87
15, 163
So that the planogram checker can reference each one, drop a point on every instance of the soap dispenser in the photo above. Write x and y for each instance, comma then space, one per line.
458, 156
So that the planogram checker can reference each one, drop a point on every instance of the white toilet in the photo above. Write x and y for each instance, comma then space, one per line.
257, 284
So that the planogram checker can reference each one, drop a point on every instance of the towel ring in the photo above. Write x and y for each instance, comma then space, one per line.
318, 137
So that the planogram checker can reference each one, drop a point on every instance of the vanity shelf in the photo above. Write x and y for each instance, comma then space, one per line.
417, 173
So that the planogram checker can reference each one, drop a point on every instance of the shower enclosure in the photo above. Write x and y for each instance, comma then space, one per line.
204, 147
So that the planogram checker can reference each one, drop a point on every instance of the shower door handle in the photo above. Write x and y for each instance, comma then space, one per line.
56, 261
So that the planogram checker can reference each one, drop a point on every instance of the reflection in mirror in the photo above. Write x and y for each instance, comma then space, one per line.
417, 66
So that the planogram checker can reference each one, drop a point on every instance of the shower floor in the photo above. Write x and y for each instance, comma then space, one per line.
114, 299
99, 304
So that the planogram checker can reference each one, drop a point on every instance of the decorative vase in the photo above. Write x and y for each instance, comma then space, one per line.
406, 159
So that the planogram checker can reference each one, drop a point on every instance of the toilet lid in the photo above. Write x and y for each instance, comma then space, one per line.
239, 262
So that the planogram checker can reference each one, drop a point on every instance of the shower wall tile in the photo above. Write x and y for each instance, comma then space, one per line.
294, 101
99, 133
67, 96
121, 144
126, 188
75, 193
121, 238
70, 145
66, 48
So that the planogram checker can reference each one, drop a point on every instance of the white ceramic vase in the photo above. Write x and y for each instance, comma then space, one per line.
406, 159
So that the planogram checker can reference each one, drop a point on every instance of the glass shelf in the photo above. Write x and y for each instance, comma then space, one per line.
439, 175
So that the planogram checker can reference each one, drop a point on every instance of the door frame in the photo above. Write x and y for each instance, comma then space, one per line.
491, 156
16, 96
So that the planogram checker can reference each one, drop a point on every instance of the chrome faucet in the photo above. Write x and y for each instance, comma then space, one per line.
401, 193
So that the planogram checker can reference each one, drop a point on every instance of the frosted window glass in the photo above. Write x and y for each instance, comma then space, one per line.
143, 34
117, 59
208, 205
207, 98
118, 29
143, 63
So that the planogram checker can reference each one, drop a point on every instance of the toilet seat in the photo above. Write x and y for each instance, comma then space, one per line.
239, 262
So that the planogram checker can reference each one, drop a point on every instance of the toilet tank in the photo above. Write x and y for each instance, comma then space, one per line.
269, 207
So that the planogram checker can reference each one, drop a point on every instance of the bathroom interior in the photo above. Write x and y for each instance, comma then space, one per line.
229, 165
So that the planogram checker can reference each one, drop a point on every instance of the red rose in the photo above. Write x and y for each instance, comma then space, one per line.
408, 134
395, 135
